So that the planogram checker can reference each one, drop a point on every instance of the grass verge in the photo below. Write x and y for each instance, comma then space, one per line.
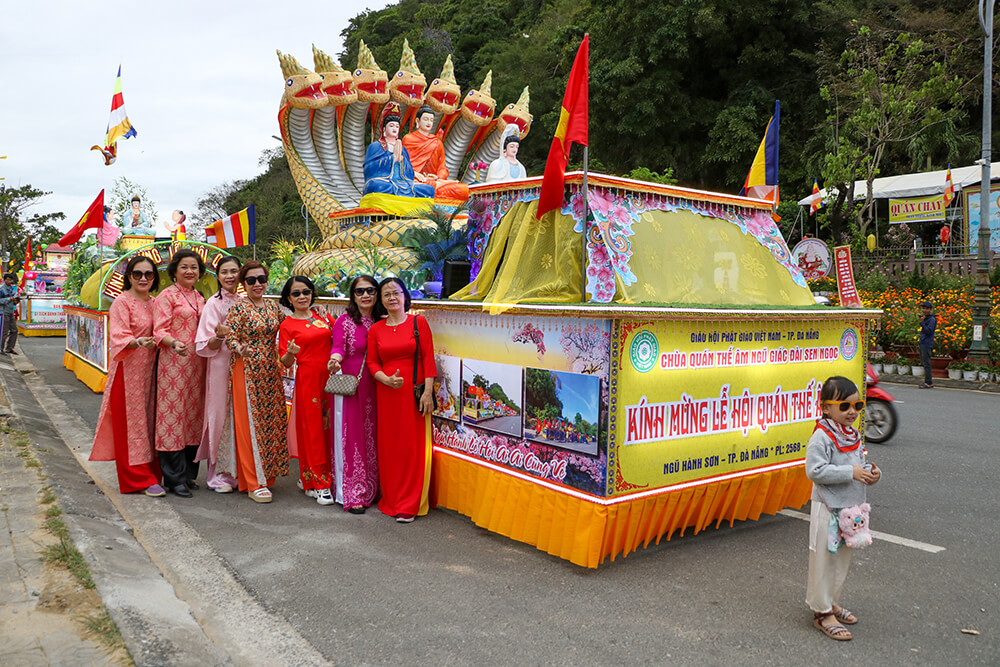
103, 627
65, 554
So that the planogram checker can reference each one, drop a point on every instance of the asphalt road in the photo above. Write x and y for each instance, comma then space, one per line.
509, 425
363, 589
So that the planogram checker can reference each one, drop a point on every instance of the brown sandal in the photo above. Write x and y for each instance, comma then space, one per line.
836, 631
845, 616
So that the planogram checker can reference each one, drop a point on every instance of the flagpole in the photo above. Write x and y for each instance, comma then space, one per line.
586, 216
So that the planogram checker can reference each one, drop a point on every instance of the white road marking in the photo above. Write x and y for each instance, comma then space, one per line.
895, 539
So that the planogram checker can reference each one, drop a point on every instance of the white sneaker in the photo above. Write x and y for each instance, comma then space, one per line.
324, 497
310, 493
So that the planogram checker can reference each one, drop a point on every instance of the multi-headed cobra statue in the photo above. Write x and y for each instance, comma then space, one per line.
326, 119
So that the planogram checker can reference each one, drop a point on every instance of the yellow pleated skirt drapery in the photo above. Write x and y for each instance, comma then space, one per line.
88, 374
586, 531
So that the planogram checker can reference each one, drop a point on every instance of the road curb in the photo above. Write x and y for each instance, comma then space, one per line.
186, 606
988, 387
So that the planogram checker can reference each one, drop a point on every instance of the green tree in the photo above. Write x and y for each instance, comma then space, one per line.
886, 89
540, 395
16, 225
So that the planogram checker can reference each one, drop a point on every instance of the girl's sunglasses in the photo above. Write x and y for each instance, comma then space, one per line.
252, 280
303, 292
361, 291
143, 275
844, 406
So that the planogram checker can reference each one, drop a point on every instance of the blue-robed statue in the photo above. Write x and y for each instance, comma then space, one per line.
387, 164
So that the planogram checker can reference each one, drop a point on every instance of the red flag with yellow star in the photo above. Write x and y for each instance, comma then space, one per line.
572, 129
92, 219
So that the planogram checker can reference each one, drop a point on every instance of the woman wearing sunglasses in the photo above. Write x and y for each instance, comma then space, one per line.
404, 427
180, 373
125, 422
355, 453
210, 343
304, 340
253, 447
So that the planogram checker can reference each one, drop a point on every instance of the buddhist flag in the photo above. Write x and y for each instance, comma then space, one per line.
92, 219
816, 202
572, 129
234, 231
762, 181
949, 188
119, 126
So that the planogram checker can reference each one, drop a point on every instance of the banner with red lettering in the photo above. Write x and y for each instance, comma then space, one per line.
849, 297
703, 399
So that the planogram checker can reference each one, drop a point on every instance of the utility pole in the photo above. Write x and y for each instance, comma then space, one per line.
981, 304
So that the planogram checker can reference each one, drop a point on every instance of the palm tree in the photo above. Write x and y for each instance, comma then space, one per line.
434, 245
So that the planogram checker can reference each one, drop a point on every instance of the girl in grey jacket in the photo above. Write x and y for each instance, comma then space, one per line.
835, 462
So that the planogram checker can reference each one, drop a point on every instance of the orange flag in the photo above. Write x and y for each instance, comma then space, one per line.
572, 129
949, 188
92, 219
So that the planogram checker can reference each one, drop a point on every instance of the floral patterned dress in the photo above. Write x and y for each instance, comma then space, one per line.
308, 426
253, 447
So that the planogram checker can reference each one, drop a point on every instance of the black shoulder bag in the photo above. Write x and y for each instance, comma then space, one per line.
418, 390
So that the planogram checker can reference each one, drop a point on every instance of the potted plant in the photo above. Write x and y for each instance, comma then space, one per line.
435, 243
955, 370
903, 366
889, 365
984, 369
969, 373
875, 359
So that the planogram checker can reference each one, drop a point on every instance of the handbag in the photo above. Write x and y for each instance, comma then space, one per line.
344, 385
418, 390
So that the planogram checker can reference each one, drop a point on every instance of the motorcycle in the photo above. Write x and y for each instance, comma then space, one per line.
881, 419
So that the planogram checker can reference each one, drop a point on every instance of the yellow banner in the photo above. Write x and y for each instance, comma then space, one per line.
701, 399
917, 209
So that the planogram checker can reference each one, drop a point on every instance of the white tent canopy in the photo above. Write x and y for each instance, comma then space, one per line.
922, 184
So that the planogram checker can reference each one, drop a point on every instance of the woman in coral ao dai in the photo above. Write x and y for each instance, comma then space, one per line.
125, 425
404, 432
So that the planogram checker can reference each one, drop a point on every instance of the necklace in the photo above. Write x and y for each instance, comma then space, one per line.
389, 324
194, 307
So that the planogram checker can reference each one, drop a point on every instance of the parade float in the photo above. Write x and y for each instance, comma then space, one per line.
41, 310
102, 273
601, 386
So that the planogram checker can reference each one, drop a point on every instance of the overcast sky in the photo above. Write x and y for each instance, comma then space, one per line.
201, 83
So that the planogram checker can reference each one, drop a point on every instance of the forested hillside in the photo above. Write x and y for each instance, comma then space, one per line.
688, 85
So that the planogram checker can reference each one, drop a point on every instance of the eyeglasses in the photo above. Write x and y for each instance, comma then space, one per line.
143, 275
303, 292
254, 280
391, 295
361, 291
844, 406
